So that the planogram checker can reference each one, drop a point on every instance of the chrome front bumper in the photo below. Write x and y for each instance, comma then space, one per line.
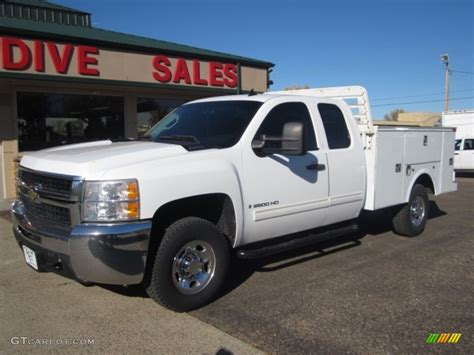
100, 253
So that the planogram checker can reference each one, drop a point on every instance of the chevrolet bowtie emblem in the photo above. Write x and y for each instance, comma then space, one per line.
32, 195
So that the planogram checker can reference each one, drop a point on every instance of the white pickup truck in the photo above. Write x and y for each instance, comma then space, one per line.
235, 174
463, 122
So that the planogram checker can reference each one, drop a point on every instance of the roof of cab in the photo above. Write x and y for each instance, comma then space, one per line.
256, 97
262, 97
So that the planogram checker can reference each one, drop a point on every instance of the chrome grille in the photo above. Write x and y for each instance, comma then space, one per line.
50, 200
46, 184
47, 212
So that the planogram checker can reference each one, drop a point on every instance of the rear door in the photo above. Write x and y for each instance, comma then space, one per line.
346, 168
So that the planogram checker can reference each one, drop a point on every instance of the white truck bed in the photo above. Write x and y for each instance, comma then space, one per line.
399, 155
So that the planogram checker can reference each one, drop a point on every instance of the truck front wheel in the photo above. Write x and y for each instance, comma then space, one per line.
411, 219
190, 265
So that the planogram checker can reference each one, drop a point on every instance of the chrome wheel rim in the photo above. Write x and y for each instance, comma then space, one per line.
193, 267
417, 211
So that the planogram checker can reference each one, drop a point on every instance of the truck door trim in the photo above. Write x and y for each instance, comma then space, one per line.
285, 210
348, 198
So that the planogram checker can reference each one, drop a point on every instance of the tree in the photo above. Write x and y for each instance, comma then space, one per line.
393, 115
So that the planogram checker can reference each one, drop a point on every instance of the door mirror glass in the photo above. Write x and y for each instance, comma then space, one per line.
289, 143
292, 143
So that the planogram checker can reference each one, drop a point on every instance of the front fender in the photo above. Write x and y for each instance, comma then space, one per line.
193, 174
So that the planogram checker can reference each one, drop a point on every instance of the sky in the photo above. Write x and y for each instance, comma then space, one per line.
391, 47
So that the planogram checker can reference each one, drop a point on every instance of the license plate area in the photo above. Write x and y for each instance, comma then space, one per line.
30, 257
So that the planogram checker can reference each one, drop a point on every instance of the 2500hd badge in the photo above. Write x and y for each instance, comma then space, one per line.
265, 204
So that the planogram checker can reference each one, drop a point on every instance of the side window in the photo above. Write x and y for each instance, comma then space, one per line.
335, 126
457, 144
469, 144
273, 124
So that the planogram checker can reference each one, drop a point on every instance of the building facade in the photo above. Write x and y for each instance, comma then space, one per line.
425, 119
63, 81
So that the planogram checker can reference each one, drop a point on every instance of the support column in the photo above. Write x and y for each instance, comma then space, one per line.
131, 115
9, 166
8, 143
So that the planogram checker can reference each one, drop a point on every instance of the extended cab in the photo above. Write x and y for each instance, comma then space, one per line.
223, 175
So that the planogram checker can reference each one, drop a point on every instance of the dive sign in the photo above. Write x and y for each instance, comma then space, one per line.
17, 55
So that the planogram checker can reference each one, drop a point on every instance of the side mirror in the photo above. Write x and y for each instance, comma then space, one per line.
290, 143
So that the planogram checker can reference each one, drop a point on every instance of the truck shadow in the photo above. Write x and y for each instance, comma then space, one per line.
380, 221
464, 174
130, 291
241, 270
373, 223
370, 224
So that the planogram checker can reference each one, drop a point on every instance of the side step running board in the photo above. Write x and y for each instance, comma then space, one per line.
267, 250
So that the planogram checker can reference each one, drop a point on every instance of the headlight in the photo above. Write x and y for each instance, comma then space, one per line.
106, 201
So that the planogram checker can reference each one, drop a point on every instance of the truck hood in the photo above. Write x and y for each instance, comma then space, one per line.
93, 159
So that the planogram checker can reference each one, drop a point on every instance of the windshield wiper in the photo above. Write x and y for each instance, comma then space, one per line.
122, 139
187, 142
180, 138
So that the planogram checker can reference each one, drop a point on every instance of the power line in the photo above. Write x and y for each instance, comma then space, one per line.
423, 102
421, 95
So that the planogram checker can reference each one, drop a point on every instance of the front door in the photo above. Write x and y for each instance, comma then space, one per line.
284, 193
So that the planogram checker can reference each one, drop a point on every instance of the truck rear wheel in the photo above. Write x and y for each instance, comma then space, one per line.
190, 265
411, 219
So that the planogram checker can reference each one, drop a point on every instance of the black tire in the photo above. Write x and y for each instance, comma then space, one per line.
408, 223
164, 287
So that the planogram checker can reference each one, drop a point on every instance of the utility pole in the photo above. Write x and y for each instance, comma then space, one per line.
447, 74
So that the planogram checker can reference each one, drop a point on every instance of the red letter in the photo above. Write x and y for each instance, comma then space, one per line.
230, 78
38, 55
8, 59
83, 60
163, 73
197, 74
214, 74
181, 72
61, 62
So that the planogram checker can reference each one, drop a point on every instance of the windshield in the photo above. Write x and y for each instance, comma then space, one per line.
216, 124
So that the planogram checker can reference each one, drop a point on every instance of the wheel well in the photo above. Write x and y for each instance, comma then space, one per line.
216, 208
426, 181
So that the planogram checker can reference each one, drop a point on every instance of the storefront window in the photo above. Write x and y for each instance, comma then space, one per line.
151, 111
48, 120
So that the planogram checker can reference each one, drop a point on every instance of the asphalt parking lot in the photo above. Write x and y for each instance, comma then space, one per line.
377, 293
